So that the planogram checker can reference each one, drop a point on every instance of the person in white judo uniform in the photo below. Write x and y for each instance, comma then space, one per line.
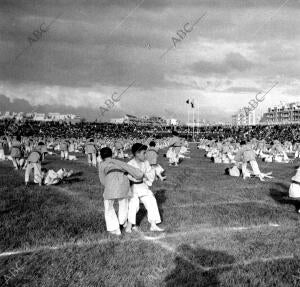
34, 162
247, 155
113, 175
141, 191
91, 151
152, 157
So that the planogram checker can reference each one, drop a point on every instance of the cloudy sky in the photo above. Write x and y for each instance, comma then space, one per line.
98, 47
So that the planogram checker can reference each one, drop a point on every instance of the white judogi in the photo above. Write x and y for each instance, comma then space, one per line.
2, 155
37, 172
112, 176
113, 221
141, 192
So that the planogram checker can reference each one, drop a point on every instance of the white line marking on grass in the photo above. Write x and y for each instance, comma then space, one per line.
196, 230
66, 245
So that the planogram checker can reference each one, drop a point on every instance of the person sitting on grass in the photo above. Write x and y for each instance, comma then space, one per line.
151, 156
113, 175
141, 191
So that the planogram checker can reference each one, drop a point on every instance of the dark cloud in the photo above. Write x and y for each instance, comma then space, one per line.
239, 90
103, 43
233, 62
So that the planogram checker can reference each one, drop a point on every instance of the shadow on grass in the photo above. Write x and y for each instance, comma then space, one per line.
191, 267
71, 180
161, 198
281, 195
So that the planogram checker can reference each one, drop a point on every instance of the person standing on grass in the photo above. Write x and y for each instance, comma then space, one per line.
43, 149
64, 150
113, 175
119, 149
34, 163
152, 156
141, 191
2, 144
176, 142
17, 153
91, 151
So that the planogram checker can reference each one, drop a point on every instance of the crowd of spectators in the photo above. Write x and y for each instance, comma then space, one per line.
94, 129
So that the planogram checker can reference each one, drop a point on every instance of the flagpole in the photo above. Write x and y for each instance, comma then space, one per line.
188, 120
199, 114
193, 124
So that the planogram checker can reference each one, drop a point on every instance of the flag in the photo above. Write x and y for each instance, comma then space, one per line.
192, 104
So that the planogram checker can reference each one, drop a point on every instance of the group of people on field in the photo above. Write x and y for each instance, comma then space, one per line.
128, 183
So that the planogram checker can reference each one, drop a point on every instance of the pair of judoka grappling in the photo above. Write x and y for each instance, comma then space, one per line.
128, 183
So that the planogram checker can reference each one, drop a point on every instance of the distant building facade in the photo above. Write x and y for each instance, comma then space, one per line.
241, 118
43, 117
284, 114
117, 121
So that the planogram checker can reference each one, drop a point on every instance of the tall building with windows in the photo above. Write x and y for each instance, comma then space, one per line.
284, 114
243, 119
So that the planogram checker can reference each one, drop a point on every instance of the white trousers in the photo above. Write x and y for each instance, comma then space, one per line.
245, 170
37, 172
113, 221
92, 159
157, 169
150, 204
17, 162
2, 155
64, 154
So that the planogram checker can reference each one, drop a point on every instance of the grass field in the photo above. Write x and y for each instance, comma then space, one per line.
220, 231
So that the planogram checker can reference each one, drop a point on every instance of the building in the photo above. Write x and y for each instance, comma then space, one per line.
117, 121
20, 116
61, 117
172, 122
39, 117
284, 114
154, 121
241, 118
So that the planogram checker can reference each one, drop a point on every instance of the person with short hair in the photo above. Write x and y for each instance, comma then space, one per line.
34, 163
152, 156
141, 191
2, 144
91, 151
113, 175
17, 153
119, 149
64, 150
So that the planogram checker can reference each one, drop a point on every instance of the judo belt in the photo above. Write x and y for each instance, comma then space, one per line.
140, 182
114, 170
